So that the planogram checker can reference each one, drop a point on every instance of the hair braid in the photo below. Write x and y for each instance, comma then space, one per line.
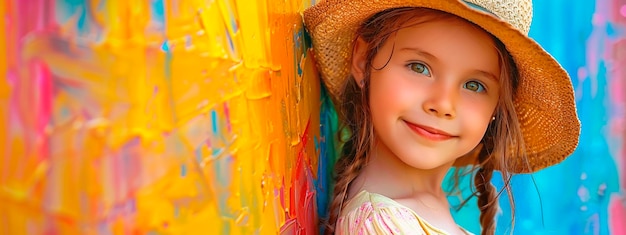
355, 115
486, 198
503, 142
347, 168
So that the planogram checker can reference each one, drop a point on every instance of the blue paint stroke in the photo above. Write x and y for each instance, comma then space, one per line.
328, 154
183, 170
214, 122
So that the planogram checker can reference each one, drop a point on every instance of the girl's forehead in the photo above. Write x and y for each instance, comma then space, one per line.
446, 22
448, 42
449, 32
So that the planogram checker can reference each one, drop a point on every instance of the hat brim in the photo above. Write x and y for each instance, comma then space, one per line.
544, 100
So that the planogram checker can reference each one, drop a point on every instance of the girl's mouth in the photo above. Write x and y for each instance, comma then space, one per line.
430, 133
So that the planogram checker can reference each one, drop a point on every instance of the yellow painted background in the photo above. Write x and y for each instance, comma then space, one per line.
174, 117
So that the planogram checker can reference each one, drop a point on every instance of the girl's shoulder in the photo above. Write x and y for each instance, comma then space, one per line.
366, 199
372, 213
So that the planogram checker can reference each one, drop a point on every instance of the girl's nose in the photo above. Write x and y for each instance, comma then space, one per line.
441, 102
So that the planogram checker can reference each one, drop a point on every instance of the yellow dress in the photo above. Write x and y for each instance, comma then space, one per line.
371, 213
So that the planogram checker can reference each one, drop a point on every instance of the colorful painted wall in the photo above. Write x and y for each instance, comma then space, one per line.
158, 116
196, 117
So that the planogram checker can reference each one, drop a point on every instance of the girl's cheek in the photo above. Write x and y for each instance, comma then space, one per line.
476, 110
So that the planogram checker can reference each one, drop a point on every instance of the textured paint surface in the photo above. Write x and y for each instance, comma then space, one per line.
185, 117
161, 116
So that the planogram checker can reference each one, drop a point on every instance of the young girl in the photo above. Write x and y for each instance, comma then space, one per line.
424, 85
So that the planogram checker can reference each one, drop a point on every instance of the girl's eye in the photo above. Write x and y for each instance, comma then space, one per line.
419, 68
474, 86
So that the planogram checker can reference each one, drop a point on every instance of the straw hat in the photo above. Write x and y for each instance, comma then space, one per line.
544, 101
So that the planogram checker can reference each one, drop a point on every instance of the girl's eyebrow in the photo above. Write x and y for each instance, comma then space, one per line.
420, 52
487, 74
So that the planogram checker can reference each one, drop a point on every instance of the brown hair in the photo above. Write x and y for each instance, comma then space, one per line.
502, 141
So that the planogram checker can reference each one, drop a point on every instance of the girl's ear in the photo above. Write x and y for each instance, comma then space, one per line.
359, 58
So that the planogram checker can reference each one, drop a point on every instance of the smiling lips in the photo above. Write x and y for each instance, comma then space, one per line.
429, 132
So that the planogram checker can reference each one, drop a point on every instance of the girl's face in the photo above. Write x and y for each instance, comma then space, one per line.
433, 100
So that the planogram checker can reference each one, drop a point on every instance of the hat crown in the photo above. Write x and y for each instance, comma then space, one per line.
518, 13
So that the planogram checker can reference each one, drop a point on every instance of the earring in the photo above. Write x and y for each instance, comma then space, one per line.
362, 83
493, 118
